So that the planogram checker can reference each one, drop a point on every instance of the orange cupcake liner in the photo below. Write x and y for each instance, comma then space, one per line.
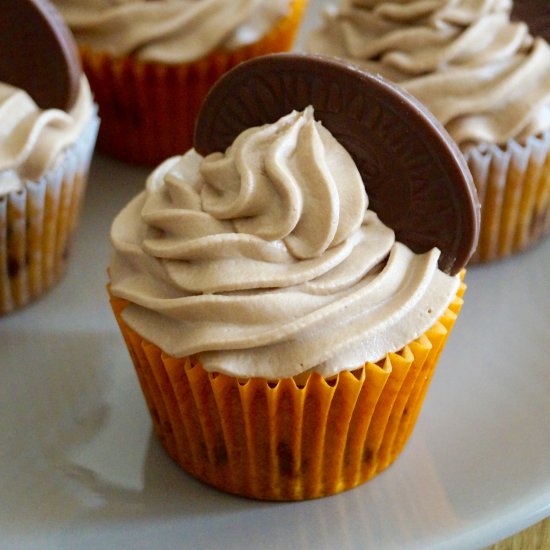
513, 186
37, 225
148, 109
289, 439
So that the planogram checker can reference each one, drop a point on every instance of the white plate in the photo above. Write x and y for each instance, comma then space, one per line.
79, 467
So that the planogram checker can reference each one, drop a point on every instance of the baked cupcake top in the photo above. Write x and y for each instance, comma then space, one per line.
266, 261
170, 31
484, 77
45, 101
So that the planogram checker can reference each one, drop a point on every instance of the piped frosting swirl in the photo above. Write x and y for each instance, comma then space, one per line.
266, 261
169, 31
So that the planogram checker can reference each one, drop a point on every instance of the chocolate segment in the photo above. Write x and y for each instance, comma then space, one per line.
38, 53
536, 13
415, 176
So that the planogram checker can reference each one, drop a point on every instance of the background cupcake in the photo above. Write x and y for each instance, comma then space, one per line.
283, 338
485, 78
49, 126
150, 64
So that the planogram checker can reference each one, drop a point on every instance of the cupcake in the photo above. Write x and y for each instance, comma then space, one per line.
49, 126
150, 64
485, 78
283, 334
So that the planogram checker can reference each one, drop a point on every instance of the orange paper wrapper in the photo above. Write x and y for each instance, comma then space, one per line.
289, 439
513, 186
148, 110
37, 225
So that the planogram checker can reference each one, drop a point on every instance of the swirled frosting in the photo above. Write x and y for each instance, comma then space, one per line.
266, 261
31, 139
485, 78
169, 31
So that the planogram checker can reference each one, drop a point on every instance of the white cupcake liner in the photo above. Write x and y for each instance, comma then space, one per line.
37, 224
513, 185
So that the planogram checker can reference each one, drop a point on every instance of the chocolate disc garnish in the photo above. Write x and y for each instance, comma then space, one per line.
38, 53
536, 13
415, 176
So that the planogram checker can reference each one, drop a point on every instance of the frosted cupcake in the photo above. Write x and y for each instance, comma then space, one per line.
150, 64
283, 337
485, 78
45, 150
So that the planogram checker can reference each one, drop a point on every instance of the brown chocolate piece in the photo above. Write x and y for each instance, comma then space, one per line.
415, 176
38, 53
536, 13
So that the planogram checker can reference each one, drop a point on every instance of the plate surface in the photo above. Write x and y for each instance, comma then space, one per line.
80, 468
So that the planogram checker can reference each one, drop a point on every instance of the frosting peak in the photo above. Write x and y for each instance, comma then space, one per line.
265, 261
281, 193
289, 181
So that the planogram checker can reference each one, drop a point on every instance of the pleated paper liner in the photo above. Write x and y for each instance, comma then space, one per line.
148, 109
37, 225
513, 185
290, 439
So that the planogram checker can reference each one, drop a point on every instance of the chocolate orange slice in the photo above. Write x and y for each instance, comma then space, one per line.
536, 13
415, 176
38, 53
